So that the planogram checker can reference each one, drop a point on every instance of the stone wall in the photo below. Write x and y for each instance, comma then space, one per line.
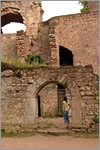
8, 45
26, 12
20, 88
76, 33
49, 101
93, 6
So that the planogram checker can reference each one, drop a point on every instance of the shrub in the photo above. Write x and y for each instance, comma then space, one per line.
95, 118
34, 58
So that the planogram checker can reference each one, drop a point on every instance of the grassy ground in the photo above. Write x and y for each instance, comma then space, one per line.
73, 134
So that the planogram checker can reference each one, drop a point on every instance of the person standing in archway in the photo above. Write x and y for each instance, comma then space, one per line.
66, 108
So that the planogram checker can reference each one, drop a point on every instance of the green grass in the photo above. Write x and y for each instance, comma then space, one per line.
21, 134
73, 134
16, 62
86, 135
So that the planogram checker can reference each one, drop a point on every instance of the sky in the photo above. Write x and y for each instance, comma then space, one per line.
51, 9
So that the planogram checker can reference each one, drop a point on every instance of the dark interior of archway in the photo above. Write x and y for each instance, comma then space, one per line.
61, 94
8, 18
66, 57
39, 107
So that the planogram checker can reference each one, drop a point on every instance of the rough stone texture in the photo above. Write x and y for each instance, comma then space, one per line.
49, 101
74, 32
27, 12
20, 88
20, 42
19, 103
93, 6
8, 46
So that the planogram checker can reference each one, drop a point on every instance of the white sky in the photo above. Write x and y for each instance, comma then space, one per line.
51, 9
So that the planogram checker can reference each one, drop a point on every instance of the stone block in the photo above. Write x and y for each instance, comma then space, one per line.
82, 93
87, 98
7, 73
82, 88
89, 93
29, 120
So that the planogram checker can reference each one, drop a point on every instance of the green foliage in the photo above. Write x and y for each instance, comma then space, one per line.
95, 118
86, 82
39, 34
95, 95
16, 62
39, 30
2, 129
34, 58
20, 134
85, 6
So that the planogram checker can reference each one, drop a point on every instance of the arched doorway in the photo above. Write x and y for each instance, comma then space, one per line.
65, 57
50, 100
31, 103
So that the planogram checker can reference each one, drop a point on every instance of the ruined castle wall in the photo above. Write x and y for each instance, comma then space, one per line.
8, 45
80, 34
26, 12
42, 46
19, 106
93, 6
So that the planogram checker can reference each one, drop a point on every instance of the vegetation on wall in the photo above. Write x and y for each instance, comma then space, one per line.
31, 61
34, 58
95, 118
39, 34
85, 6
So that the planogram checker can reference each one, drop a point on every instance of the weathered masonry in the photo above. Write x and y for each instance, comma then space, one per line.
71, 36
21, 89
70, 45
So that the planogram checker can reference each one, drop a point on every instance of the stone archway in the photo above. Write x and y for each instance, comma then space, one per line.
31, 104
10, 17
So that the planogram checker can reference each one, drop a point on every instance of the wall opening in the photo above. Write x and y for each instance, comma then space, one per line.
12, 27
39, 106
11, 23
50, 99
61, 93
65, 57
47, 101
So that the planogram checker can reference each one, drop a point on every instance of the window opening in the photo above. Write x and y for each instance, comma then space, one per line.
13, 27
66, 57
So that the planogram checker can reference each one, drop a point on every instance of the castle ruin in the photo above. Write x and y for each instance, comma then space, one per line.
70, 44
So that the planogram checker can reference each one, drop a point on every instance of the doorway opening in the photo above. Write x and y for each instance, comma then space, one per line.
39, 107
61, 94
65, 57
